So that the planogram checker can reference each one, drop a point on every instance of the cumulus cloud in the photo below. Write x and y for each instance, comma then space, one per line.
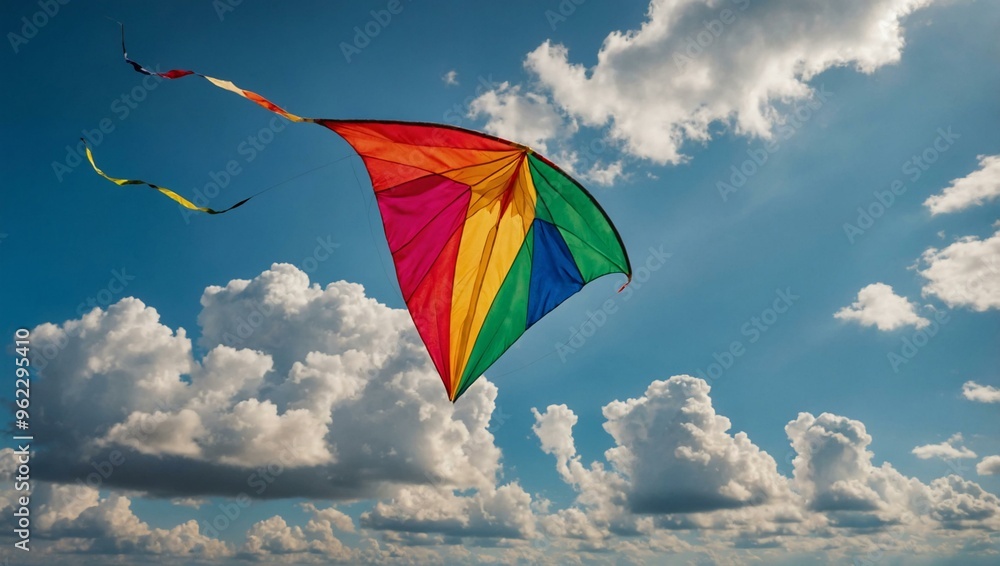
879, 306
976, 188
958, 503
679, 455
450, 78
950, 449
274, 539
591, 166
672, 454
75, 519
696, 62
833, 471
980, 393
836, 491
989, 466
274, 536
289, 381
602, 494
965, 274
528, 118
504, 512
282, 355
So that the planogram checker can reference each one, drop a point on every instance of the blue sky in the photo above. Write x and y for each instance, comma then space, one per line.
844, 111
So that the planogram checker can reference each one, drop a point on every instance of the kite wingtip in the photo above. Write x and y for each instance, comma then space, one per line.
627, 281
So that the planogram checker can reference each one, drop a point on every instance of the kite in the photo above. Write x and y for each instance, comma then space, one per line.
486, 235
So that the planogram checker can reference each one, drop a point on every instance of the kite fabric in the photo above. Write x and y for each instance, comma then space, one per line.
486, 235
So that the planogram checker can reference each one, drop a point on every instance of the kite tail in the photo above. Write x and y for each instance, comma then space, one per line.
167, 192
226, 85
176, 74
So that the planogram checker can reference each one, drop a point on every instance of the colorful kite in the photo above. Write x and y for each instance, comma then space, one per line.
486, 235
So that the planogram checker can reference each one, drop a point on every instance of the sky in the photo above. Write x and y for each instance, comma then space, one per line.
804, 368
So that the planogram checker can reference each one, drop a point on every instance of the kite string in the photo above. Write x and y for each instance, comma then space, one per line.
302, 174
187, 203
371, 231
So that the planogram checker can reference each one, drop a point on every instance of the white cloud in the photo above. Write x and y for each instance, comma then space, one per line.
590, 168
976, 188
289, 380
833, 471
958, 503
79, 521
879, 306
606, 174
274, 537
989, 466
657, 87
947, 450
965, 274
192, 502
504, 512
679, 455
602, 495
837, 502
280, 348
529, 118
980, 393
450, 78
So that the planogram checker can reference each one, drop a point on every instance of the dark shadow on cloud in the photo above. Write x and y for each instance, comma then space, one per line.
675, 522
173, 476
419, 539
860, 522
678, 502
829, 501
752, 543
451, 528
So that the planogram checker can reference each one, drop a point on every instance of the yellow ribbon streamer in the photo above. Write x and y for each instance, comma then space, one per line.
170, 194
